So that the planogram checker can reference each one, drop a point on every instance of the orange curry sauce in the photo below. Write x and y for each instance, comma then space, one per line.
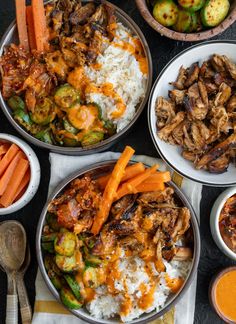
225, 295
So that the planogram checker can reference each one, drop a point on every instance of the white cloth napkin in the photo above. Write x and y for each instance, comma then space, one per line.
47, 310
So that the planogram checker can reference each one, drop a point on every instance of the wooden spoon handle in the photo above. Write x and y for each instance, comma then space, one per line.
25, 308
12, 310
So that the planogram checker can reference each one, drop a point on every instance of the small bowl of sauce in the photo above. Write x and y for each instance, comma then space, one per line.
222, 294
223, 222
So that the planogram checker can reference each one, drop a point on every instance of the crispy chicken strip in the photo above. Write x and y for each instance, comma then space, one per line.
193, 73
223, 95
179, 83
182, 253
217, 151
230, 66
165, 132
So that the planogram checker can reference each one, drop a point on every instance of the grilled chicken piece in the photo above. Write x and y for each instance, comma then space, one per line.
223, 95
165, 132
217, 62
230, 66
179, 83
211, 87
231, 105
177, 96
217, 151
188, 142
95, 47
82, 14
57, 65
111, 25
165, 111
85, 222
219, 165
190, 156
182, 253
182, 223
67, 214
220, 119
121, 206
57, 21
178, 133
203, 93
193, 73
206, 71
198, 135
194, 104
154, 198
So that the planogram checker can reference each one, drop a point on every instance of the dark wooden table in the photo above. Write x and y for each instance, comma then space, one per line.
162, 50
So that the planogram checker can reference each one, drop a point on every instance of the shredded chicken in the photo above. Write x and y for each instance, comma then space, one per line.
201, 113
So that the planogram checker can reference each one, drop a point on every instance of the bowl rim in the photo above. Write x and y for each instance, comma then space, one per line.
101, 146
214, 220
34, 173
211, 291
151, 130
187, 37
147, 317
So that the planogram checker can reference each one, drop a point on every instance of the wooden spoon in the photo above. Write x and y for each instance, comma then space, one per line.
12, 254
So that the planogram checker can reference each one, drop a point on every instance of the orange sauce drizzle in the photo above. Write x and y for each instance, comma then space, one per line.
174, 283
147, 298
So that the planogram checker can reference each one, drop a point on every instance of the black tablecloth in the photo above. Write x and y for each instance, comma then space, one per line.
162, 50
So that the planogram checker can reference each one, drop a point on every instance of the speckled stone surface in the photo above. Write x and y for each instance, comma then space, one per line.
162, 50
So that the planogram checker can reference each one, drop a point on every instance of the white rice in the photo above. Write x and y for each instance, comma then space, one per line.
119, 67
133, 273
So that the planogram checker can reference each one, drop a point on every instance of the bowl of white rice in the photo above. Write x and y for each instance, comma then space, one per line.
133, 275
130, 78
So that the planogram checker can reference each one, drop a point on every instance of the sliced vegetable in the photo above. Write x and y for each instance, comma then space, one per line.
111, 188
90, 278
191, 5
65, 243
21, 23
52, 222
194, 25
92, 137
15, 103
92, 261
70, 140
110, 127
8, 157
5, 179
130, 172
51, 265
183, 22
49, 237
66, 264
66, 96
83, 117
40, 25
214, 12
165, 12
73, 284
69, 300
55, 279
44, 112
69, 128
30, 27
44, 136
20, 114
17, 176
48, 247
130, 185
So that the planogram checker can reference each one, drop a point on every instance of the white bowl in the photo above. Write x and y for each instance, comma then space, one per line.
214, 222
34, 177
171, 153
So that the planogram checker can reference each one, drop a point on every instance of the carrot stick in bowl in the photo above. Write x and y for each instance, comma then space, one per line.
130, 185
130, 172
18, 174
23, 186
21, 23
40, 25
11, 153
110, 189
30, 27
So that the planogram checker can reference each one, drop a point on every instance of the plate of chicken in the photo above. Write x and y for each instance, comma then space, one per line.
191, 113
120, 248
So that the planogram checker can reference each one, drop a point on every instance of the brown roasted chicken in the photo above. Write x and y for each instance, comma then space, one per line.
200, 113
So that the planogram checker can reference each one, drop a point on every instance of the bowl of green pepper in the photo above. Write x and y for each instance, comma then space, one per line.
188, 20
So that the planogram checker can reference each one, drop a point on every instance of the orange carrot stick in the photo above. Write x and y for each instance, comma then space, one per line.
21, 23
18, 174
130, 172
159, 176
144, 187
9, 171
30, 27
22, 185
110, 190
11, 153
4, 148
40, 25
130, 185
